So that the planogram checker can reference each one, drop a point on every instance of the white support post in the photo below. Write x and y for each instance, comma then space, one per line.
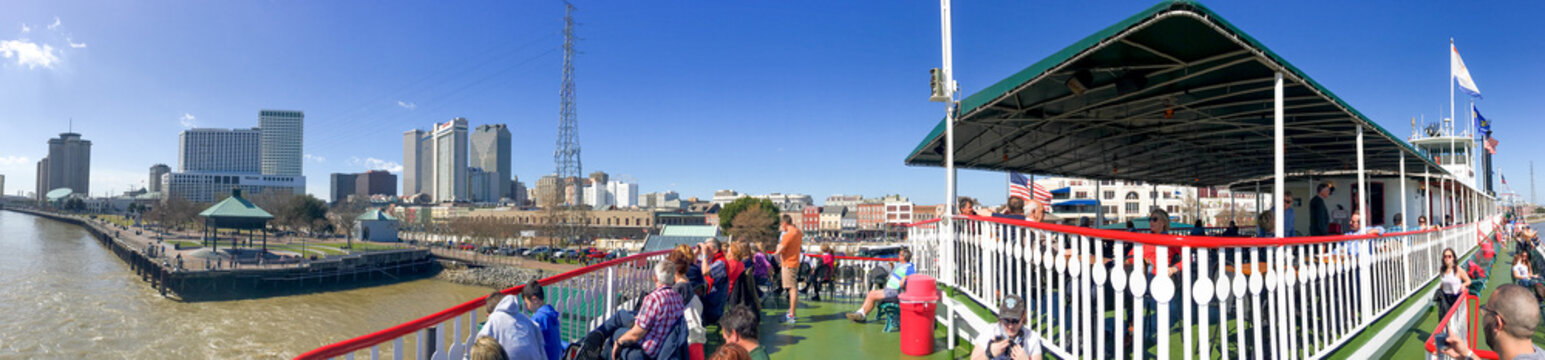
1427, 197
1364, 254
1404, 212
948, 224
1278, 163
611, 290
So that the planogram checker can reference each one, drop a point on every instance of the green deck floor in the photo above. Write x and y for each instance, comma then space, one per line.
1412, 343
823, 332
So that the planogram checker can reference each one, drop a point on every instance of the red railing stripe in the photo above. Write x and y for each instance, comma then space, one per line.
1470, 328
392, 333
1184, 240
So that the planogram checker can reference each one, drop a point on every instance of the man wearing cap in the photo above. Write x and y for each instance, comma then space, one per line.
1008, 340
1319, 215
1508, 321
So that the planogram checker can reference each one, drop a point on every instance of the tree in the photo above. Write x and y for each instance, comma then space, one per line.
342, 217
301, 212
755, 225
728, 213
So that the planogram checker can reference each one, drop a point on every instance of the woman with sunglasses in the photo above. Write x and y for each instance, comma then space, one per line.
1522, 274
1453, 281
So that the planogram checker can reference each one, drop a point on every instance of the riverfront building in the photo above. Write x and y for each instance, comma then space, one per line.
491, 152
68, 165
210, 187
362, 185
156, 172
282, 144
219, 150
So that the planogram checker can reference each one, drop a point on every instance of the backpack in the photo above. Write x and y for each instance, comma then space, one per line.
745, 296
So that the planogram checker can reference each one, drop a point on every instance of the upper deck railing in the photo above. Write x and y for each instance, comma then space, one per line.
1102, 294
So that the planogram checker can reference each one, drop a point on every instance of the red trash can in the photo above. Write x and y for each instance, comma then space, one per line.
918, 306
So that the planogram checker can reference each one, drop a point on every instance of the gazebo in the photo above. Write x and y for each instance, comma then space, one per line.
236, 213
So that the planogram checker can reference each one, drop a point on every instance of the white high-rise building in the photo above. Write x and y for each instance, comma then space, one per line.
598, 196
282, 141
219, 150
624, 194
450, 161
417, 163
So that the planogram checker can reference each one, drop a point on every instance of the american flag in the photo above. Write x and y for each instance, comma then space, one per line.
1021, 187
1491, 145
1504, 178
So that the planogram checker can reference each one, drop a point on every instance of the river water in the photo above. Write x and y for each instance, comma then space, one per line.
63, 295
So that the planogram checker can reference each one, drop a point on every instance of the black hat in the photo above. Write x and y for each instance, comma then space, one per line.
1012, 307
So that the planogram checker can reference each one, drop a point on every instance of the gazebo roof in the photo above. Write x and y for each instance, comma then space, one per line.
375, 214
235, 207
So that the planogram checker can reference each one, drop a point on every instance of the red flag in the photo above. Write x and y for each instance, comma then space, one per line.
1491, 145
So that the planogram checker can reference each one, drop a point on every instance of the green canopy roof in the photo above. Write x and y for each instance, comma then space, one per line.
235, 207
375, 214
1174, 95
699, 231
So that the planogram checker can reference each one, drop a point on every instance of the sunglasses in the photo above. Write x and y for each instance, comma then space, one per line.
1155, 219
1010, 321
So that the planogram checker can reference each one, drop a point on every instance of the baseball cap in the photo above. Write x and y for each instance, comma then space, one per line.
1012, 307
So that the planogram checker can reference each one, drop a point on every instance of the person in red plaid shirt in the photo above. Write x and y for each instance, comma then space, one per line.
656, 316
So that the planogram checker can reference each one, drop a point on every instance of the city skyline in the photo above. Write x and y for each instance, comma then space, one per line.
827, 124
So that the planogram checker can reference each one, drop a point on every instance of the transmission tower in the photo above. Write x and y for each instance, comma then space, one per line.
569, 211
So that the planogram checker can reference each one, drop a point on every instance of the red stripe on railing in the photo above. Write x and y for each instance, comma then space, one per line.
1471, 330
921, 223
1184, 240
856, 258
392, 333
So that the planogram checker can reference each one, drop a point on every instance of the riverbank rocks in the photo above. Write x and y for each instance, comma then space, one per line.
498, 277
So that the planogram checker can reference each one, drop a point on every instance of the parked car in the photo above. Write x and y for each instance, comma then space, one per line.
537, 251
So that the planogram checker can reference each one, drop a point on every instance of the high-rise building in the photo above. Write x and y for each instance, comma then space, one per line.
342, 186
68, 165
624, 194
41, 187
219, 150
375, 182
598, 196
156, 171
545, 194
484, 185
450, 161
491, 152
417, 162
281, 141
2, 185
518, 192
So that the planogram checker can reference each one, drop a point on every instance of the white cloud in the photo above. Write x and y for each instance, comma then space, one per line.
407, 105
74, 44
376, 164
25, 29
316, 158
14, 160
187, 120
29, 53
55, 25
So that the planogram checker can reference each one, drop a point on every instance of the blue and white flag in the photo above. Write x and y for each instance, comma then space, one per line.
1460, 73
1480, 122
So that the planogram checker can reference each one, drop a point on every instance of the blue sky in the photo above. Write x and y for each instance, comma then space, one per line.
795, 97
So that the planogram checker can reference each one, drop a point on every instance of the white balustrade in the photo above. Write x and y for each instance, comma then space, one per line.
1108, 294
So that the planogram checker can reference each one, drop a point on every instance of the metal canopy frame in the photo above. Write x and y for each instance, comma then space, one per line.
1174, 95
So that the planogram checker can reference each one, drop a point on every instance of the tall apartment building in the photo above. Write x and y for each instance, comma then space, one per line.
417, 162
519, 193
68, 165
40, 188
624, 193
450, 161
491, 152
2, 185
362, 185
281, 141
341, 186
483, 186
219, 150
211, 187
156, 171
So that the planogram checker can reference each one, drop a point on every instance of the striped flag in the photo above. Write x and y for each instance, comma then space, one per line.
1041, 195
1491, 145
1460, 73
1504, 178
1019, 186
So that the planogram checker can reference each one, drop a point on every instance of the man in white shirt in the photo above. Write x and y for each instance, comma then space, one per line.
1008, 340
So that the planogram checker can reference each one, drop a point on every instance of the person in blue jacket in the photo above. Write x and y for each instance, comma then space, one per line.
545, 317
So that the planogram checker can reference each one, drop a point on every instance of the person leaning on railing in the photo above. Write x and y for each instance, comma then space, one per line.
520, 337
545, 317
1509, 320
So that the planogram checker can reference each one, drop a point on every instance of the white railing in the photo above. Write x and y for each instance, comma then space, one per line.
584, 297
1093, 293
